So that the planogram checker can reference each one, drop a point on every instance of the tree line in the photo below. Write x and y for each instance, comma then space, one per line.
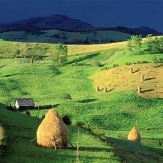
149, 45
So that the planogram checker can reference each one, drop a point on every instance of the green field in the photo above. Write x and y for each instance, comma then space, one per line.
58, 36
104, 118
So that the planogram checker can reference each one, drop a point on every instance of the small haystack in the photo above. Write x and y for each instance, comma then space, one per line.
134, 135
52, 132
2, 135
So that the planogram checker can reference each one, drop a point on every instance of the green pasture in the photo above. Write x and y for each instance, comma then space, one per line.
58, 36
104, 119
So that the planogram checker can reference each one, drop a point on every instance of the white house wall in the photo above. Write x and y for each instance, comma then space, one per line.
16, 105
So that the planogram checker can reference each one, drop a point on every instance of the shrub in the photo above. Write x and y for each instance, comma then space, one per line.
115, 65
144, 61
96, 63
65, 96
128, 63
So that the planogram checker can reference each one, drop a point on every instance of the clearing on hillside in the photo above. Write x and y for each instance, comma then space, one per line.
121, 79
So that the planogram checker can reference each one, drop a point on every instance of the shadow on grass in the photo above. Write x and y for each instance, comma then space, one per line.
2, 66
54, 70
82, 58
101, 89
149, 78
92, 149
87, 100
157, 150
9, 75
110, 90
147, 90
131, 151
137, 70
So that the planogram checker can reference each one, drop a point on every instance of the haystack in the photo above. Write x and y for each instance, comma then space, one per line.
52, 132
134, 135
2, 135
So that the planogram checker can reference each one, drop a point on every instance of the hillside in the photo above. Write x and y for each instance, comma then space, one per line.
59, 36
104, 117
62, 29
121, 79
52, 22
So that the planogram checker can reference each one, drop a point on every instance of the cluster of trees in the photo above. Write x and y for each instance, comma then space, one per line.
59, 54
33, 52
148, 45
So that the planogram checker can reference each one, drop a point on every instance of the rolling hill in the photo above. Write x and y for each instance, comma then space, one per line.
62, 29
52, 22
104, 118
59, 36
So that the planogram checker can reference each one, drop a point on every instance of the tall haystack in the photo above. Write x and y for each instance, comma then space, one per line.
2, 135
52, 132
134, 135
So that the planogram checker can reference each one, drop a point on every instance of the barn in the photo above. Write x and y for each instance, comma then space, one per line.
24, 103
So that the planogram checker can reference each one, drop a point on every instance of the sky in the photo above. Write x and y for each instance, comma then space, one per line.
106, 13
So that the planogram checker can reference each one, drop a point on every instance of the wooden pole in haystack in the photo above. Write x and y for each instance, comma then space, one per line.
105, 89
130, 70
32, 60
38, 112
77, 150
139, 89
97, 88
142, 77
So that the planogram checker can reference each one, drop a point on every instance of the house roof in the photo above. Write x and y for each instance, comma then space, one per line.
25, 102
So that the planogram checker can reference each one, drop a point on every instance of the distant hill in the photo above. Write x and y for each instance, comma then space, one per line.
62, 29
52, 22
144, 31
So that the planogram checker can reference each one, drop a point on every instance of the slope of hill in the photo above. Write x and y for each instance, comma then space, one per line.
58, 36
62, 29
144, 31
120, 79
19, 149
52, 22
108, 115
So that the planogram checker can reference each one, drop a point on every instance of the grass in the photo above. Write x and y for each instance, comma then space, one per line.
107, 117
19, 149
9, 49
57, 36
120, 79
82, 49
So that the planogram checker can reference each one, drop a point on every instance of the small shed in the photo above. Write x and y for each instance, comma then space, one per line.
24, 103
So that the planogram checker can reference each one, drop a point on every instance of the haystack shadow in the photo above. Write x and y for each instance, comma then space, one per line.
10, 75
87, 100
137, 70
110, 90
147, 90
92, 149
2, 66
82, 58
150, 78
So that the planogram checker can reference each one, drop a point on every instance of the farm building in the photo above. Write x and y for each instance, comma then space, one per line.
24, 103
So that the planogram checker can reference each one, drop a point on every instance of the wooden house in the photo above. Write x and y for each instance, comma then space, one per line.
24, 103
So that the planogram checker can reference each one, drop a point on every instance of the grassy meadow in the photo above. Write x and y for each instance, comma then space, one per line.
55, 36
104, 118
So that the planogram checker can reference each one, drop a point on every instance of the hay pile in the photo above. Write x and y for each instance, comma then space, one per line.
52, 132
134, 135
2, 135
